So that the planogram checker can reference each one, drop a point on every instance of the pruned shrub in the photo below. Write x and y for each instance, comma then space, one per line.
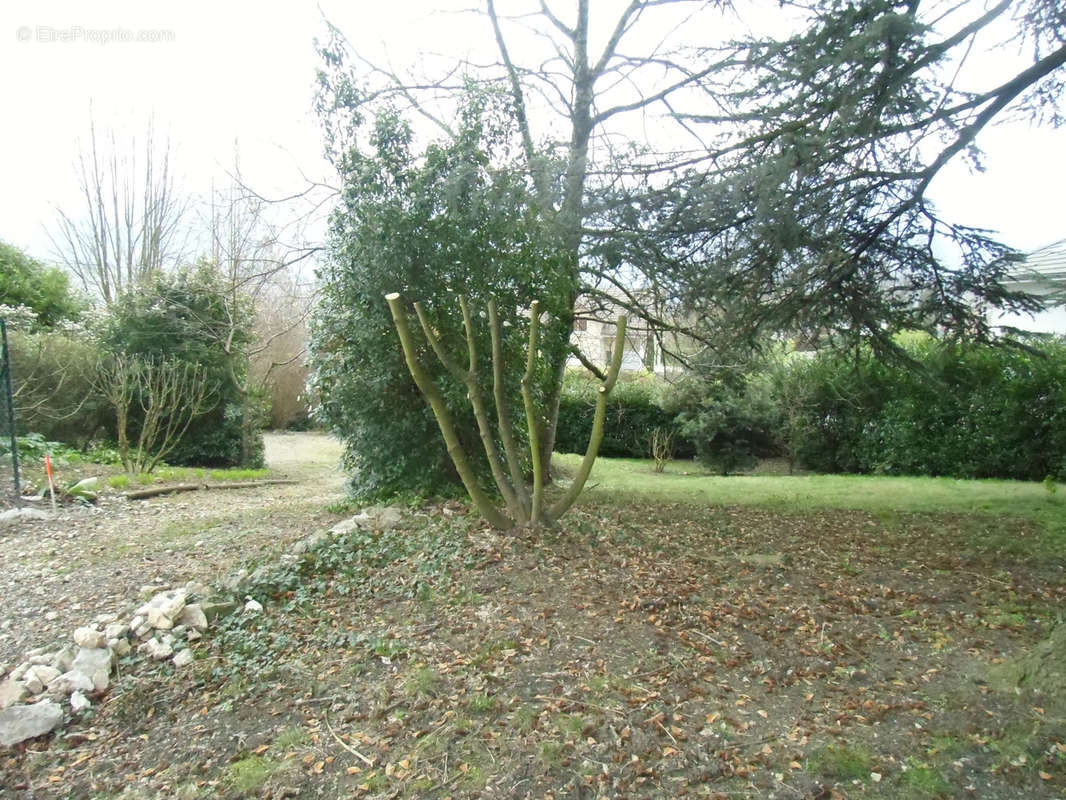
634, 413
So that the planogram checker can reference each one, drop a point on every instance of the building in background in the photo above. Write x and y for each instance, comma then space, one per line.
1043, 273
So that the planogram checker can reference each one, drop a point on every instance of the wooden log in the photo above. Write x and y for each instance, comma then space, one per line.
156, 491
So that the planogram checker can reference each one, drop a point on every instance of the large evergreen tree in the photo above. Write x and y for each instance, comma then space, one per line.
777, 184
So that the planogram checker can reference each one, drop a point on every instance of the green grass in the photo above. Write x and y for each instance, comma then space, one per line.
687, 482
166, 474
250, 774
841, 762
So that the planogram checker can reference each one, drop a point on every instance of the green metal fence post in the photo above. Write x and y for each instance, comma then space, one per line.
9, 397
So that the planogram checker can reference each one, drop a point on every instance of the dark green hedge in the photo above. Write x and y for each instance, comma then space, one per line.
963, 411
633, 413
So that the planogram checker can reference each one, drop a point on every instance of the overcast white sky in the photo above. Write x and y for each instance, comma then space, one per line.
244, 70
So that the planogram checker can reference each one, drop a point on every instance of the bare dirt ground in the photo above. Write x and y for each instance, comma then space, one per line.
639, 650
57, 574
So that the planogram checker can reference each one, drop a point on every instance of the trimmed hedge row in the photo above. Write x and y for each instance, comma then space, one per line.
965, 411
634, 411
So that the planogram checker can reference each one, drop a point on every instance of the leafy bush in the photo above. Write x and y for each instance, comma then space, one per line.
634, 413
24, 281
53, 374
966, 411
451, 220
188, 317
730, 418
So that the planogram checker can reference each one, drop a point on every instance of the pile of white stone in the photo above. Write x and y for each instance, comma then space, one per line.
161, 628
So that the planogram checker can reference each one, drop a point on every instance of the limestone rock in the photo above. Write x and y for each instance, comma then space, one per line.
214, 611
183, 658
79, 702
19, 723
116, 630
32, 683
311, 543
193, 616
41, 674
63, 659
11, 692
71, 681
89, 637
119, 647
86, 489
157, 650
15, 515
95, 664
253, 607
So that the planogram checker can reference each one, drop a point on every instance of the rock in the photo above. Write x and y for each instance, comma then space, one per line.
157, 649
311, 543
95, 664
183, 658
13, 515
236, 582
32, 683
161, 611
253, 607
63, 659
137, 622
90, 638
197, 589
105, 619
194, 635
35, 660
86, 489
45, 674
345, 526
11, 692
159, 620
19, 723
143, 631
20, 670
378, 517
51, 616
193, 616
71, 681
116, 630
79, 702
214, 611
119, 647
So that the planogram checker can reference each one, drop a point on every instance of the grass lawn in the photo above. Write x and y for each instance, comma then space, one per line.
688, 482
676, 635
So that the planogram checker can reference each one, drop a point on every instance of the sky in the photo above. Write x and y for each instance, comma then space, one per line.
214, 73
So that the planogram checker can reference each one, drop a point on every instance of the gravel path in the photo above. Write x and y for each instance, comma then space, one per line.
57, 574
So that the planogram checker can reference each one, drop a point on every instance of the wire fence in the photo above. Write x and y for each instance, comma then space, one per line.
10, 490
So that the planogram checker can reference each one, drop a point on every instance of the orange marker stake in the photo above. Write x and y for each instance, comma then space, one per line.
51, 483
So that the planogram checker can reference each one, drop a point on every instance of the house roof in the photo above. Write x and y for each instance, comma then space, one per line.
1045, 266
